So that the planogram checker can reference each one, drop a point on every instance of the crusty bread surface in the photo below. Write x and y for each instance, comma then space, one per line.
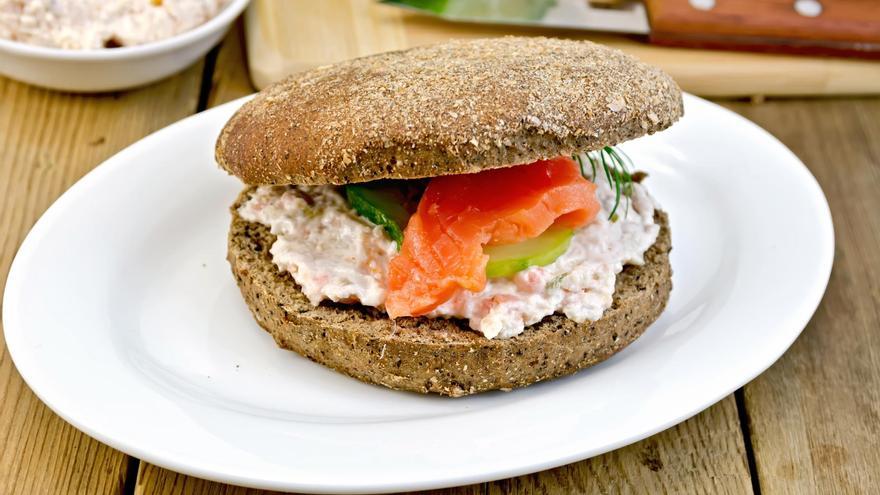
456, 107
440, 356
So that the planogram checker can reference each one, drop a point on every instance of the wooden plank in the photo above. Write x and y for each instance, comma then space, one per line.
48, 141
230, 78
705, 454
285, 36
815, 415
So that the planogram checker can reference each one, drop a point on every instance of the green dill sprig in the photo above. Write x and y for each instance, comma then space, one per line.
617, 167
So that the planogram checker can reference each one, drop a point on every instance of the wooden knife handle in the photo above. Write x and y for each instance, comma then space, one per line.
842, 27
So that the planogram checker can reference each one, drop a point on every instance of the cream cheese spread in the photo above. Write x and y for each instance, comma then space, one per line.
92, 24
330, 251
335, 254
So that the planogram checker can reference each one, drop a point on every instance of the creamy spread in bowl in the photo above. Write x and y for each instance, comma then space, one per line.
335, 254
95, 24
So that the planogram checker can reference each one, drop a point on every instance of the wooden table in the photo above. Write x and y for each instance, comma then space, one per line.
810, 424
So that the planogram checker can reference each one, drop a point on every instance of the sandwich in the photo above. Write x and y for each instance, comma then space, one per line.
454, 218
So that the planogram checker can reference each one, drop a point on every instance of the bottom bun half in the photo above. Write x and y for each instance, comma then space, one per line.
442, 356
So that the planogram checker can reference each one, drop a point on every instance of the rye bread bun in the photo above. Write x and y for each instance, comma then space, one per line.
440, 355
461, 106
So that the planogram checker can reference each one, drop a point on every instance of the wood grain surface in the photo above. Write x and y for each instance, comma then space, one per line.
48, 140
292, 35
807, 425
815, 415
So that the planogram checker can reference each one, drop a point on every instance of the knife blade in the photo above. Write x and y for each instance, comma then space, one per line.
626, 16
811, 27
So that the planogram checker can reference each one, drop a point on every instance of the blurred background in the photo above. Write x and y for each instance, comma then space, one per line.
734, 48
714, 48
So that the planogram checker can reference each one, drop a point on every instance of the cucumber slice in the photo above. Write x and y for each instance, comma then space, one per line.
381, 203
508, 259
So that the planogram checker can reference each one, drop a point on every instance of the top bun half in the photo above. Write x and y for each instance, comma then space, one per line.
451, 108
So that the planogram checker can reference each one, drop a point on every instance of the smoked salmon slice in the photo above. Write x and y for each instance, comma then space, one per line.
457, 215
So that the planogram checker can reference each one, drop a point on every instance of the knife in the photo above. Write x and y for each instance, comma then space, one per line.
625, 16
814, 27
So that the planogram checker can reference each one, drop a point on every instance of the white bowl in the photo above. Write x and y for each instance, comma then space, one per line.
114, 68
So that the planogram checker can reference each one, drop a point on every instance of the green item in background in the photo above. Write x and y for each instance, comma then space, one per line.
486, 10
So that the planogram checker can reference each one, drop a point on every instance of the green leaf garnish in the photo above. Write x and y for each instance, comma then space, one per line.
556, 281
616, 165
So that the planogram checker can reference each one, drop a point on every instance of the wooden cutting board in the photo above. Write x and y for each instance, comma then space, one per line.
286, 36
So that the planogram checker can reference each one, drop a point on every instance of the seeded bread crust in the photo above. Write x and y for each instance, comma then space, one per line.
457, 107
440, 356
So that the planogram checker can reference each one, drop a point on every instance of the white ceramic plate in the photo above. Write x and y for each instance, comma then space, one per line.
122, 315
116, 68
